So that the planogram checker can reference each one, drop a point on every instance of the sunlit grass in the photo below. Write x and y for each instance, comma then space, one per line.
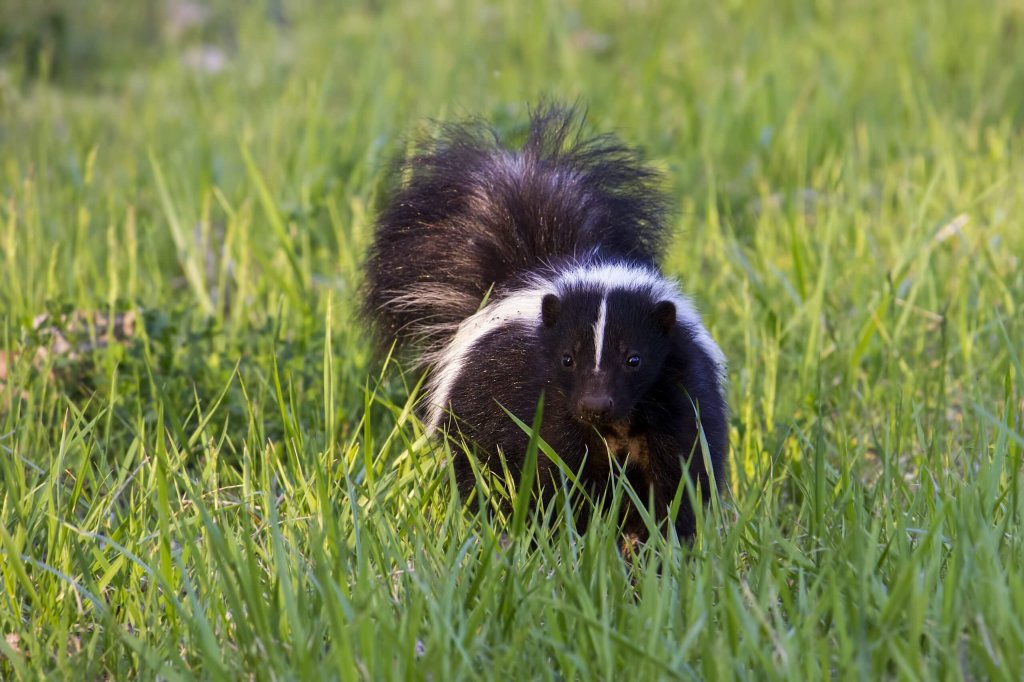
238, 487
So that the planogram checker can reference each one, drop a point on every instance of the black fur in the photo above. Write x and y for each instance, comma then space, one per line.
475, 220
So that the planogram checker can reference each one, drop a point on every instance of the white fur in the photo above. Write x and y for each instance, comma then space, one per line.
602, 320
523, 307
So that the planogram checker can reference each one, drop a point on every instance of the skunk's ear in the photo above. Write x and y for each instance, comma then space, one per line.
664, 316
550, 306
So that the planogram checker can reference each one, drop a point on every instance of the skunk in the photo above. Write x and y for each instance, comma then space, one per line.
517, 273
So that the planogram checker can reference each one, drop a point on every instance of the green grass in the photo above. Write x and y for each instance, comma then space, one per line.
239, 489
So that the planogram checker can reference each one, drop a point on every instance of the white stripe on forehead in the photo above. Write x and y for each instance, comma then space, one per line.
602, 319
522, 308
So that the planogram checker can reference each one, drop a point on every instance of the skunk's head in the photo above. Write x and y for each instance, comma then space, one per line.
605, 348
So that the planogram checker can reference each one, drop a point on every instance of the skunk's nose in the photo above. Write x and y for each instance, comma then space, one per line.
595, 407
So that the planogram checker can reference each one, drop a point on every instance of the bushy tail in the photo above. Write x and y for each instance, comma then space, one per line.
473, 215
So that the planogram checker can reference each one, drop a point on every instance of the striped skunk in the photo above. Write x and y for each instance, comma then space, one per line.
513, 273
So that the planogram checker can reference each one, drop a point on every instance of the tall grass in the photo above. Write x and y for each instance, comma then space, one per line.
237, 488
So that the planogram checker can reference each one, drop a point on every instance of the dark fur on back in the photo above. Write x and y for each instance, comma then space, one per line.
473, 215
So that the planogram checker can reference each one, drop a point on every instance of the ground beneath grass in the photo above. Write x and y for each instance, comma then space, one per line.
205, 473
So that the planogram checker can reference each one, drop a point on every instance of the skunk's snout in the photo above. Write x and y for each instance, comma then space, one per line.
595, 407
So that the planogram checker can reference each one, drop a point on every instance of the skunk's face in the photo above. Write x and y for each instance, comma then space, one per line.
605, 349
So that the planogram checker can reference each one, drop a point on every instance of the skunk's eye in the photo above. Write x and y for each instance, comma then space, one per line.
567, 360
633, 361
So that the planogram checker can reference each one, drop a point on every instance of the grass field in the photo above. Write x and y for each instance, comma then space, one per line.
231, 486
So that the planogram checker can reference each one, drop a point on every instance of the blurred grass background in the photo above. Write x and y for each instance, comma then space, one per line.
203, 472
